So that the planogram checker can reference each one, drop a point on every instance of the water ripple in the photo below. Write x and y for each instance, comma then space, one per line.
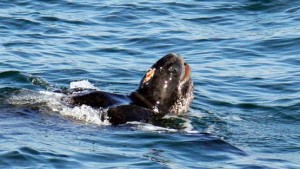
244, 57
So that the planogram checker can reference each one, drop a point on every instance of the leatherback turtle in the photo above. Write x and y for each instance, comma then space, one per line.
166, 88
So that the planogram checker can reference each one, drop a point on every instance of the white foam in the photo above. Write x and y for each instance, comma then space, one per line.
86, 114
27, 97
51, 94
196, 113
150, 127
51, 100
83, 113
83, 84
168, 116
210, 129
233, 117
188, 127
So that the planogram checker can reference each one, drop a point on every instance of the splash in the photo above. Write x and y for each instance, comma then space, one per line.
86, 114
83, 84
186, 124
50, 102
151, 128
187, 127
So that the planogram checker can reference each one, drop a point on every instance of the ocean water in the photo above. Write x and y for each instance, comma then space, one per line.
244, 56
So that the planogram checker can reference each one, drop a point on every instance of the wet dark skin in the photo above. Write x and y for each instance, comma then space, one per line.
166, 88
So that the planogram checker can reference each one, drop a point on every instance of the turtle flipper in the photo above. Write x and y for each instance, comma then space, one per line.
126, 113
95, 99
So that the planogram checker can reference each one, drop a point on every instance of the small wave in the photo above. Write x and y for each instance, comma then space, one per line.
213, 19
63, 20
20, 23
17, 78
12, 157
233, 118
12, 78
293, 10
27, 156
11, 73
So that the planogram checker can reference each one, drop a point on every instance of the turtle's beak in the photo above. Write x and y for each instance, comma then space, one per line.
186, 74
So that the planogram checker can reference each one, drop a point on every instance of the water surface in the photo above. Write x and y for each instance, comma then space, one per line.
244, 56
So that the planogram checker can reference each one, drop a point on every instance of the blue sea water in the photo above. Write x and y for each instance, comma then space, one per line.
244, 56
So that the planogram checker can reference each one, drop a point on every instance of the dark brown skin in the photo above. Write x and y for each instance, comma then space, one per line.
166, 85
96, 99
122, 114
165, 88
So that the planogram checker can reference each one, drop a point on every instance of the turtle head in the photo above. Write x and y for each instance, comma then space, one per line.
167, 86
